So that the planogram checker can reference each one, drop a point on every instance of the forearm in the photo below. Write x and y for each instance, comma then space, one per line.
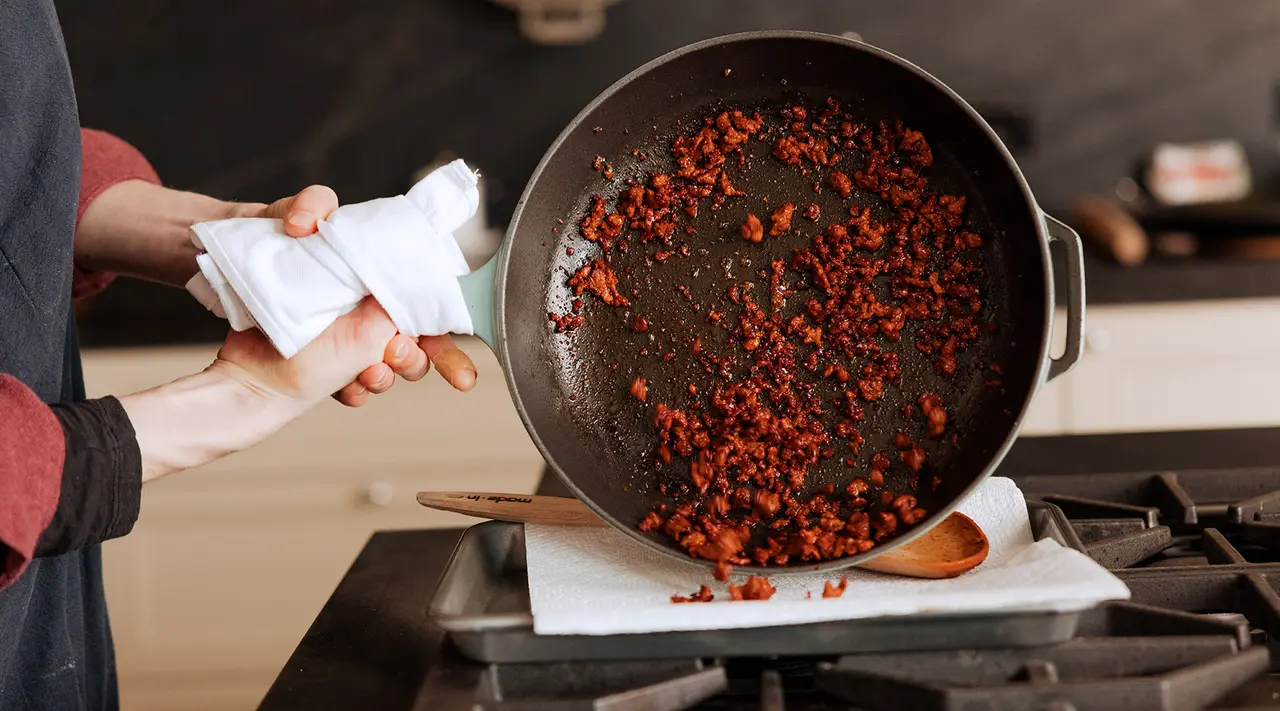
203, 417
140, 229
113, 446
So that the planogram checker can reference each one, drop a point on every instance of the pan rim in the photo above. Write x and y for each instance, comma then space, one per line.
1036, 213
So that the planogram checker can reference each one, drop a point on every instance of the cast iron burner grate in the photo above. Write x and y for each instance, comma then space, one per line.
1126, 656
1199, 550
1196, 541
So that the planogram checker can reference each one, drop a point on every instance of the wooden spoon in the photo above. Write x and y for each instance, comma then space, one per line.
954, 546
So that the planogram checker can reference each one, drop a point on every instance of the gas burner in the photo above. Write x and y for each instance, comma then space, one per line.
660, 686
1133, 674
1188, 500
1199, 550
669, 685
1203, 541
1125, 656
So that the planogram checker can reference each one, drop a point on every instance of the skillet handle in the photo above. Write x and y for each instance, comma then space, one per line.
1059, 232
478, 289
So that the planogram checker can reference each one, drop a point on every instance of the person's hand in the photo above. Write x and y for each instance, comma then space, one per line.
250, 391
403, 355
350, 345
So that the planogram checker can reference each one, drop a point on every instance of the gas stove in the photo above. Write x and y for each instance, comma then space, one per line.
1199, 550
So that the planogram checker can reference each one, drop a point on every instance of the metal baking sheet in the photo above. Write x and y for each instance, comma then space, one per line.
482, 602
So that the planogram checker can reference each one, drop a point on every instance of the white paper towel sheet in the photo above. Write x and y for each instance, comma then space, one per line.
598, 581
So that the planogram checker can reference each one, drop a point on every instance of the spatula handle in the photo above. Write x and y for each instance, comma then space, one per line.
516, 508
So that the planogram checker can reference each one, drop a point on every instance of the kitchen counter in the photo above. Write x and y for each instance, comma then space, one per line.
1164, 280
371, 646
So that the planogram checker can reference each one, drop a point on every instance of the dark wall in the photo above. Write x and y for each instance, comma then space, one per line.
256, 99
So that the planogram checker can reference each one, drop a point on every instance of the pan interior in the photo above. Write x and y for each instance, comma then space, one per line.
574, 387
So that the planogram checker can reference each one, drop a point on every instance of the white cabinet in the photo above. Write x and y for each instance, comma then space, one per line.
228, 565
1172, 366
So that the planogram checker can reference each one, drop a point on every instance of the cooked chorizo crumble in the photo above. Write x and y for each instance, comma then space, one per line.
897, 264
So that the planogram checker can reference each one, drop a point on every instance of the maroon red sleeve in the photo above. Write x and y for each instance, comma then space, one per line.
32, 451
32, 440
105, 161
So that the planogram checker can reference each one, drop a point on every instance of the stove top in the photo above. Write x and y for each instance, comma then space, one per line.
1199, 550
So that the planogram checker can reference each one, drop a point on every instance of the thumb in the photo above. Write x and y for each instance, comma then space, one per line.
361, 336
301, 212
337, 356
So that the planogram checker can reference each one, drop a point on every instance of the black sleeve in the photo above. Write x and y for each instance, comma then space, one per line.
101, 479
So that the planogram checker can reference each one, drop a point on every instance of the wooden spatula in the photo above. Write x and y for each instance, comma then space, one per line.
955, 546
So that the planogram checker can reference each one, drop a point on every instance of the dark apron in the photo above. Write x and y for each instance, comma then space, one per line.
55, 641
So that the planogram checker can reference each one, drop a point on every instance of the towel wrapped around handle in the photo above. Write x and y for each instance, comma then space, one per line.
399, 249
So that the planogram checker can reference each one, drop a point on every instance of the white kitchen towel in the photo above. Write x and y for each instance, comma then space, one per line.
400, 249
598, 581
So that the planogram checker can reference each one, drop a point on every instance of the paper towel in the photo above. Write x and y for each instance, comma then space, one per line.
598, 581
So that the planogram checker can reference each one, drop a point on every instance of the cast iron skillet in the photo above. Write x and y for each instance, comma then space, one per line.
571, 390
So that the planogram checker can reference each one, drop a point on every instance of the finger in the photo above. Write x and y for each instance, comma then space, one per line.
312, 204
406, 358
450, 362
363, 334
302, 211
353, 395
377, 378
